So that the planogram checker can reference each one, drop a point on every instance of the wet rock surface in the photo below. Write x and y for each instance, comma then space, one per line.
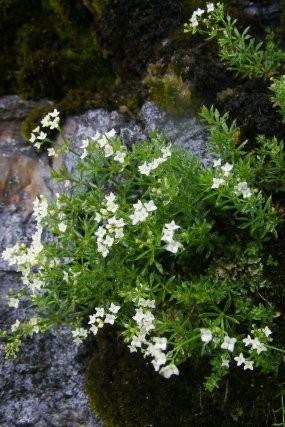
44, 386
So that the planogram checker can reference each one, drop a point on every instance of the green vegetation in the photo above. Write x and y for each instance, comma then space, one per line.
238, 49
169, 91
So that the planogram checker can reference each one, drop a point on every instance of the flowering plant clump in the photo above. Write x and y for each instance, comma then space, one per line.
170, 251
239, 50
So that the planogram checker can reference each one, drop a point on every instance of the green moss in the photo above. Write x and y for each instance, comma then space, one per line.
126, 392
169, 91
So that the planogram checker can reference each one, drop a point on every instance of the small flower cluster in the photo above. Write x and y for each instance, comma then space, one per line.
51, 121
79, 334
167, 236
102, 317
229, 344
241, 188
103, 141
113, 228
27, 257
142, 211
97, 322
153, 347
194, 20
255, 343
225, 170
248, 364
146, 168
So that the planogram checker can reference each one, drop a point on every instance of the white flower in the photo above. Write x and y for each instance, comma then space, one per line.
139, 316
225, 362
160, 343
145, 169
110, 318
42, 136
166, 151
62, 227
98, 217
103, 250
36, 130
194, 21
119, 233
227, 168
136, 342
13, 302
267, 331
217, 182
55, 113
243, 189
78, 335
217, 163
172, 226
92, 319
94, 329
239, 359
32, 138
173, 246
210, 7
100, 311
159, 359
150, 206
167, 235
228, 343
141, 211
108, 149
120, 156
248, 364
206, 335
114, 308
132, 349
258, 346
110, 205
247, 341
110, 134
199, 11
168, 371
100, 233
108, 241
15, 326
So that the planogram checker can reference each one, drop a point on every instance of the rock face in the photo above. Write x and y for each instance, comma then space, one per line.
44, 386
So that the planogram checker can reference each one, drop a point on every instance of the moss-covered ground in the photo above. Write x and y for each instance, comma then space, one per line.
126, 392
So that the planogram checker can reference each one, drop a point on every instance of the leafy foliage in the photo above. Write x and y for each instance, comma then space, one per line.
178, 247
239, 50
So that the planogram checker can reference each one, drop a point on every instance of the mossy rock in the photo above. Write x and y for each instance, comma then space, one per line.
124, 391
169, 91
52, 74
